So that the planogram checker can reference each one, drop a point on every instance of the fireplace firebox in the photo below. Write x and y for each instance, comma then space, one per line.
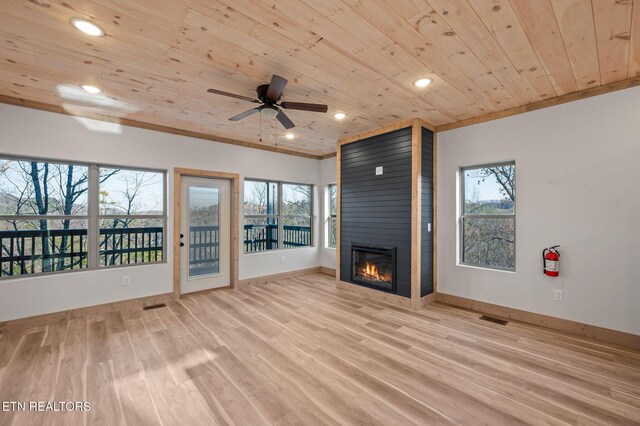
374, 266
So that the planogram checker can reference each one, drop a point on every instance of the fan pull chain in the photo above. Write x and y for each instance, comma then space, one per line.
260, 127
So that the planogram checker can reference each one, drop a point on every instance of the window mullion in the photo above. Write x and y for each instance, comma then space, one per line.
93, 228
280, 218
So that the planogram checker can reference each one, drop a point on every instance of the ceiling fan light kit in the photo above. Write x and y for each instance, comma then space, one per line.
269, 95
268, 112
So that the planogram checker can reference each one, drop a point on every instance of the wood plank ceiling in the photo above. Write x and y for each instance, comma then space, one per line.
360, 57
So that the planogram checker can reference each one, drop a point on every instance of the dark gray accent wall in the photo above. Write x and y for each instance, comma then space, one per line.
377, 209
426, 268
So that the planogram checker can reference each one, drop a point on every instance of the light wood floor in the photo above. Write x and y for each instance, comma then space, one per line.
300, 351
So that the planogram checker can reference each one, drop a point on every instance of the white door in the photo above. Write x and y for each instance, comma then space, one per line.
204, 234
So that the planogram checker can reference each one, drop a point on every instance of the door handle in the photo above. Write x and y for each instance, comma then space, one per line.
181, 244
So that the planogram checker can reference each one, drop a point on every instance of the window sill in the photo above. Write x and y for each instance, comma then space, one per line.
10, 278
485, 268
277, 250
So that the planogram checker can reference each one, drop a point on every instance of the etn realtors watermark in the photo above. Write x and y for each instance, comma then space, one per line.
45, 406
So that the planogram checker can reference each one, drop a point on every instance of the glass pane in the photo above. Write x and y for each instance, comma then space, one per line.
124, 241
489, 242
204, 220
490, 190
131, 192
297, 231
333, 223
333, 205
260, 198
260, 234
40, 188
36, 246
296, 199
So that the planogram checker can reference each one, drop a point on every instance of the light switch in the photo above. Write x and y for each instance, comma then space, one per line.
379, 170
428, 227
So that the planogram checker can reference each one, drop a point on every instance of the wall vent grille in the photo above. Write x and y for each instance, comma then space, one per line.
159, 305
495, 320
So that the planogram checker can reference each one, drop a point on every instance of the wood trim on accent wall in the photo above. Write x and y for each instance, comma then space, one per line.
568, 326
569, 97
234, 178
338, 207
416, 213
9, 100
435, 213
386, 129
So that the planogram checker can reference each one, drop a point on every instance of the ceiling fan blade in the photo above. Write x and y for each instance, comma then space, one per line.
304, 106
276, 87
284, 120
244, 114
232, 95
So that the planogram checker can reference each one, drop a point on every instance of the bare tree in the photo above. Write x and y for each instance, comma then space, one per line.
133, 185
43, 189
505, 176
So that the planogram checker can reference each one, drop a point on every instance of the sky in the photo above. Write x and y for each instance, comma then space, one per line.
485, 191
149, 198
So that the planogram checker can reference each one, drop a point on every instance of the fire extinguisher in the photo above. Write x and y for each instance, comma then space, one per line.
551, 261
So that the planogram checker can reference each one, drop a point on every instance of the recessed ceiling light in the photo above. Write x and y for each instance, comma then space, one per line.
422, 82
87, 27
289, 136
91, 89
340, 115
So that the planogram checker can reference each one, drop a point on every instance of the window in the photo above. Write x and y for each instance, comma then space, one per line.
276, 215
333, 206
488, 216
50, 223
131, 216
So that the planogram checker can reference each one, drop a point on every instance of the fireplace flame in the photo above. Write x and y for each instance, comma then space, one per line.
370, 271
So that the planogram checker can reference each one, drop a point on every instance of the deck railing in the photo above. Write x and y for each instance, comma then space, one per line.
26, 252
265, 237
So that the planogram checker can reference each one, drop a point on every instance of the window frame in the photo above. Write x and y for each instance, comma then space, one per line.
92, 216
99, 217
279, 216
332, 217
462, 216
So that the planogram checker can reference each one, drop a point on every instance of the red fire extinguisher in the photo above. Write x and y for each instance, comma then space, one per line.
551, 261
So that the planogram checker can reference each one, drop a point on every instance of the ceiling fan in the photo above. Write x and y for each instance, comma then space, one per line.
269, 95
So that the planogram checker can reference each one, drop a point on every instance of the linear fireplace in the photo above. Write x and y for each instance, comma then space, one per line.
374, 266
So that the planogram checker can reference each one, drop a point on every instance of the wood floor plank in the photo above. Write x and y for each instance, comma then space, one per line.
301, 351
101, 390
137, 406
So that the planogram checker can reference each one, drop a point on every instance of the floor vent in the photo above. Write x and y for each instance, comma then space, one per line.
496, 320
159, 305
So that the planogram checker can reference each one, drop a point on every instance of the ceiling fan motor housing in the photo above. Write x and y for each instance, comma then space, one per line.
262, 95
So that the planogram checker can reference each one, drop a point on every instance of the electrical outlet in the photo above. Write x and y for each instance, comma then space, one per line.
126, 280
379, 170
558, 295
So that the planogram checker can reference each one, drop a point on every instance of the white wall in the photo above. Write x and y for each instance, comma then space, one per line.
327, 176
577, 186
26, 132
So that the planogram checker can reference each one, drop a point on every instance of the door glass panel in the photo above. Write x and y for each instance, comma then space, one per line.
204, 220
